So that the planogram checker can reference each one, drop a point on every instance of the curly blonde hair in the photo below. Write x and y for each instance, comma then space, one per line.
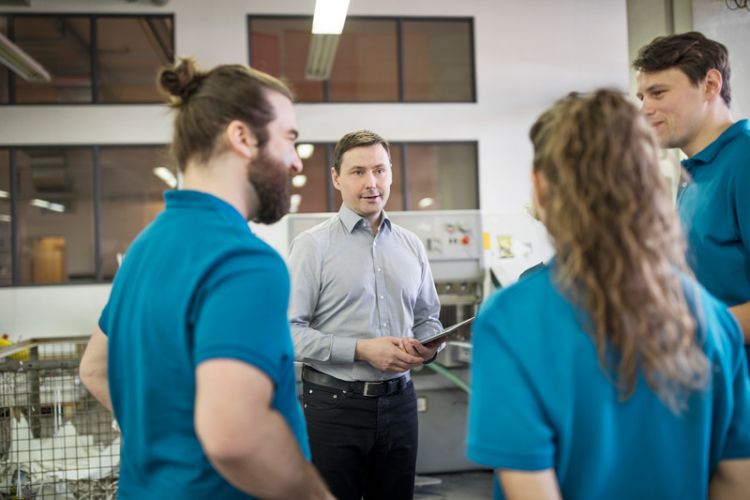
620, 252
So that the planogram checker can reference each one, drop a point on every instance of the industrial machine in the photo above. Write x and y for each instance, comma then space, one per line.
453, 241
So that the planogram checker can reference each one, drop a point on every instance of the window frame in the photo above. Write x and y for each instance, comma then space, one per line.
399, 55
95, 150
94, 69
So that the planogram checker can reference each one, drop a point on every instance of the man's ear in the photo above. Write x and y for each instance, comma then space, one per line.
241, 139
713, 84
335, 178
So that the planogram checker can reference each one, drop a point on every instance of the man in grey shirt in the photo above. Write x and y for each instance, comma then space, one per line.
362, 296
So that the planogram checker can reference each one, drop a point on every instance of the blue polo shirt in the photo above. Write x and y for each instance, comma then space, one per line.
195, 285
714, 207
541, 400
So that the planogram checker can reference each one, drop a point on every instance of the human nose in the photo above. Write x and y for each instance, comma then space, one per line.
296, 166
370, 179
647, 107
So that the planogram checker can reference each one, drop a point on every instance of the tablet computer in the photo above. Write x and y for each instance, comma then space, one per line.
447, 331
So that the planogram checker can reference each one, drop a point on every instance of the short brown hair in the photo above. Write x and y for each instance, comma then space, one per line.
694, 54
360, 138
208, 101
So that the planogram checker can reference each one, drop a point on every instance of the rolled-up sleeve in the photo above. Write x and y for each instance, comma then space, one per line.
427, 306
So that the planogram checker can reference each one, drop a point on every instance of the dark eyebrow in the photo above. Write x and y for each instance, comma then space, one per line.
378, 165
656, 86
650, 89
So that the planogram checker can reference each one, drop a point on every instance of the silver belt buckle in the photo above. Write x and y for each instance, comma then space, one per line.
366, 391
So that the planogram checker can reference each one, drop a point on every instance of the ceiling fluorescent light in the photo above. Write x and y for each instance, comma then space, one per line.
5, 218
4, 194
305, 150
166, 175
425, 202
321, 56
299, 180
329, 17
54, 207
21, 63
294, 202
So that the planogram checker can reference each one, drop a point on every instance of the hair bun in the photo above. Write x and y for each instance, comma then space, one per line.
182, 80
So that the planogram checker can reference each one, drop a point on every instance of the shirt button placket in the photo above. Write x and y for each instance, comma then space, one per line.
379, 289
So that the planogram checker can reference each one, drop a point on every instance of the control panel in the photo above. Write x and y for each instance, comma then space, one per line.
445, 235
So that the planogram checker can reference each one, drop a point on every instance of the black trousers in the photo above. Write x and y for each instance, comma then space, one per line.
364, 447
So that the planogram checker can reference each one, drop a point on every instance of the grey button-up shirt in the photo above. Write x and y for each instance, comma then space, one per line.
348, 284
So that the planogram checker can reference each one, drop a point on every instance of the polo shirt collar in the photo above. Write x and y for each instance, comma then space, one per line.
709, 153
186, 198
350, 219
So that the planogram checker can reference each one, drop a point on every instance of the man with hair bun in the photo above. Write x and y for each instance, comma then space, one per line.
193, 351
683, 82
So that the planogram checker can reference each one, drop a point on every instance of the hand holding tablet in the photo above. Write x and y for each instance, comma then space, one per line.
444, 333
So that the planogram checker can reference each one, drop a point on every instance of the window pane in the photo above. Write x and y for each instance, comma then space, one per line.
442, 176
131, 196
130, 51
396, 199
279, 47
6, 265
366, 66
313, 194
56, 215
62, 46
438, 60
4, 78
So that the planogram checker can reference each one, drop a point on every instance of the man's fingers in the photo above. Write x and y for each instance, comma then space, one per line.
407, 358
435, 343
410, 348
414, 347
396, 367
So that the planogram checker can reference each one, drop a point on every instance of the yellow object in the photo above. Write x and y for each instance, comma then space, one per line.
19, 356
486, 240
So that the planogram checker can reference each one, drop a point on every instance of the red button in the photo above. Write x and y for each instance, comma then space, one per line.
465, 240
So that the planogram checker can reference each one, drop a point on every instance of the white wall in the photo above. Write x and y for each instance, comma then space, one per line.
732, 28
51, 311
527, 55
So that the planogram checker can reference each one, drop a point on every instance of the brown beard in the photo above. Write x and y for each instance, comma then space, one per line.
270, 178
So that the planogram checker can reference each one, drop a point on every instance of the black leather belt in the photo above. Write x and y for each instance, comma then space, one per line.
370, 389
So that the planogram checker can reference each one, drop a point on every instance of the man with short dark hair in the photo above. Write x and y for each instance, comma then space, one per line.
683, 81
363, 293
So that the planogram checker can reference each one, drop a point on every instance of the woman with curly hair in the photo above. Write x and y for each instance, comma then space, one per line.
610, 373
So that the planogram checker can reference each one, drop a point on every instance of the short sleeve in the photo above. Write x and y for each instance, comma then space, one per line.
507, 426
742, 202
241, 313
104, 320
738, 433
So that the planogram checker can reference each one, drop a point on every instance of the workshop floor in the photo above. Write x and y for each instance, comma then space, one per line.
473, 485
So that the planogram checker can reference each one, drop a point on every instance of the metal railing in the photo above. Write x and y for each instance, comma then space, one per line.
56, 440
